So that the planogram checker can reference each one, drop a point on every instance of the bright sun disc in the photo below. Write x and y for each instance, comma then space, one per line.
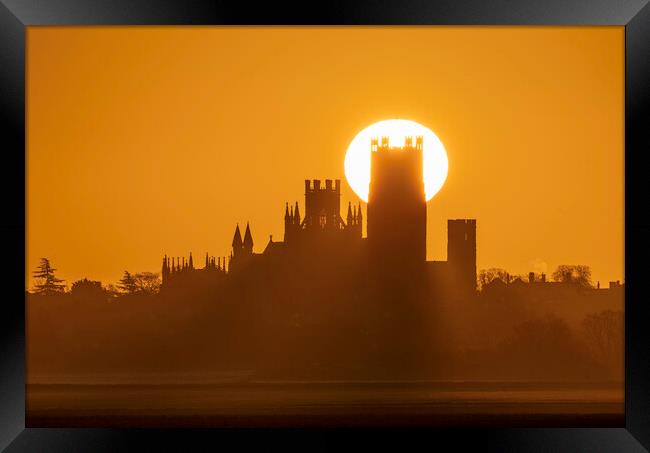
357, 157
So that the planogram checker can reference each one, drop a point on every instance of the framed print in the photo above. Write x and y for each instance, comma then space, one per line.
380, 217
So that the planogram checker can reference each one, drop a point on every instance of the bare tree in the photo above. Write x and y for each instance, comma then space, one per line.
579, 274
486, 276
604, 334
112, 291
147, 282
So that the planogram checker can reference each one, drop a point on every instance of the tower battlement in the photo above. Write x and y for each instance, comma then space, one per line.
322, 205
322, 212
316, 186
376, 145
459, 223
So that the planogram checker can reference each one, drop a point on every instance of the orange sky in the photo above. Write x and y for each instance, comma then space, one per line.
150, 140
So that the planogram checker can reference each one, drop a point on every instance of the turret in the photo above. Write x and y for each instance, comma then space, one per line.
461, 253
354, 220
237, 243
296, 215
191, 264
248, 240
165, 270
288, 223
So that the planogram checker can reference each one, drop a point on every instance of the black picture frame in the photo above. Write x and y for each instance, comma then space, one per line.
16, 15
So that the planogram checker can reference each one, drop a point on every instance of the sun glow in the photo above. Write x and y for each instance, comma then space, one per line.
357, 157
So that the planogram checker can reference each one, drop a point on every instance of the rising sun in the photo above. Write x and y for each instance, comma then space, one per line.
357, 157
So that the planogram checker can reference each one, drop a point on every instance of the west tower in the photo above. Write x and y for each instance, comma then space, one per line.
397, 209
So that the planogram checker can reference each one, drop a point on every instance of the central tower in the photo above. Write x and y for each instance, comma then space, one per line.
397, 208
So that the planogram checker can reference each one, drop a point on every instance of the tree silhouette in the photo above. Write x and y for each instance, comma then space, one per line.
88, 290
127, 283
486, 276
604, 333
541, 346
111, 291
579, 274
47, 283
147, 282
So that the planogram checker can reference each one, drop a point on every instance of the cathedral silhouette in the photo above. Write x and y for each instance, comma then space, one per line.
396, 238
334, 303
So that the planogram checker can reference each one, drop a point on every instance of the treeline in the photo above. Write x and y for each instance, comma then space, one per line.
149, 283
511, 340
131, 284
267, 324
578, 274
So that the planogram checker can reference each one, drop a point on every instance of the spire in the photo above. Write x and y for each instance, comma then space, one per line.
164, 269
219, 263
191, 262
296, 215
359, 217
350, 216
173, 265
288, 222
248, 239
236, 240
206, 260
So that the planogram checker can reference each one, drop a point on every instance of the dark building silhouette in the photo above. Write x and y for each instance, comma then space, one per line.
322, 221
397, 210
341, 299
242, 249
183, 273
326, 303
461, 252
395, 249
536, 291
